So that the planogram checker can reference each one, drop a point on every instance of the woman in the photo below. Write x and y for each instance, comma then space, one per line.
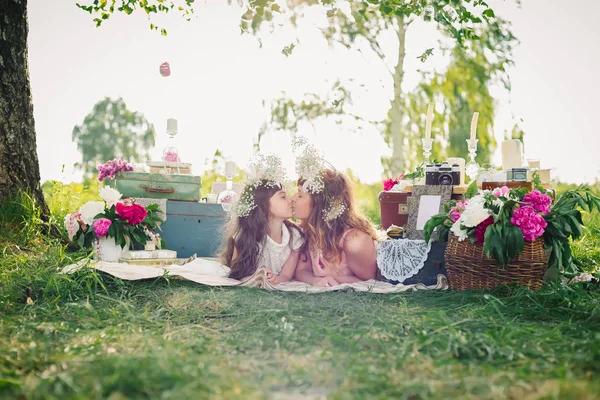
340, 241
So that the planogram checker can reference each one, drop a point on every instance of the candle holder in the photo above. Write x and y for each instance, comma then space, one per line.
427, 145
472, 167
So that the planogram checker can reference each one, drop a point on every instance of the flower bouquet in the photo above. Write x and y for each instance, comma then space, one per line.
113, 224
505, 235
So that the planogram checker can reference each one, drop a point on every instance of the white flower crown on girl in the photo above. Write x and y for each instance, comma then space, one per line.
263, 171
309, 166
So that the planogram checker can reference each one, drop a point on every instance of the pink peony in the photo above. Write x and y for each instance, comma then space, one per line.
101, 226
456, 211
388, 184
529, 222
133, 214
539, 201
501, 191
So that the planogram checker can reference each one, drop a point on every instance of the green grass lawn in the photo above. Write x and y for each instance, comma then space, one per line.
89, 335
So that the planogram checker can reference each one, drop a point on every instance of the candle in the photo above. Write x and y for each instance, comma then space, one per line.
512, 154
474, 127
171, 125
429, 121
230, 169
461, 164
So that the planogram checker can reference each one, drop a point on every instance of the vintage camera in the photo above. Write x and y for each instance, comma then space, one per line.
516, 174
442, 174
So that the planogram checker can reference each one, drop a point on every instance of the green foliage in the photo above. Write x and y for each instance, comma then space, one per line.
367, 198
565, 224
111, 131
103, 9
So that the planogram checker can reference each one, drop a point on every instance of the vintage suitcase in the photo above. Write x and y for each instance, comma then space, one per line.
157, 186
194, 228
394, 208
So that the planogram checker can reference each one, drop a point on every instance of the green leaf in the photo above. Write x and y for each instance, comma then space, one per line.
489, 13
472, 190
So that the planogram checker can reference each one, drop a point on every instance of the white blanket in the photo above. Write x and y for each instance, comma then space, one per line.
212, 273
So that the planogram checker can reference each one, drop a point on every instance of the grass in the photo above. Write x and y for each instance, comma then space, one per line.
89, 335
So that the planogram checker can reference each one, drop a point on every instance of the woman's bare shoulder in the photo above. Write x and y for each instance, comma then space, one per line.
357, 241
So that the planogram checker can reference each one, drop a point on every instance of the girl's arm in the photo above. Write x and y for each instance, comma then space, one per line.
287, 271
361, 256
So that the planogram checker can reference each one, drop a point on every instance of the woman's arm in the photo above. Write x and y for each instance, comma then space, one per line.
304, 273
361, 255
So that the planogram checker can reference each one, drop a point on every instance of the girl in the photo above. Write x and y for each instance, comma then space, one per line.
340, 241
261, 235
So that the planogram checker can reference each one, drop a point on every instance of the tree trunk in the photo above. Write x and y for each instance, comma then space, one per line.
19, 166
397, 110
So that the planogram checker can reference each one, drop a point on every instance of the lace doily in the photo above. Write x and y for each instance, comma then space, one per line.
400, 259
162, 204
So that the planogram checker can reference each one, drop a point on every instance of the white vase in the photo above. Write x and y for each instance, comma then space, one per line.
150, 246
105, 249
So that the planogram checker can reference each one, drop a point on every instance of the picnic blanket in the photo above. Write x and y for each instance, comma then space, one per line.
212, 273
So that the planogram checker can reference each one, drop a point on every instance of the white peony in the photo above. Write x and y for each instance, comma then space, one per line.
458, 231
110, 196
475, 213
89, 210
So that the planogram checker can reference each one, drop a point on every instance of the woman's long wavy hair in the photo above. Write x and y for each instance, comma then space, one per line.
245, 234
322, 236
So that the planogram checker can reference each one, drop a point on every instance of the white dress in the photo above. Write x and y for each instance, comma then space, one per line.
273, 255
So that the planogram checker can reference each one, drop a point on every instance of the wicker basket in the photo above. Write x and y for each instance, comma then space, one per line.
469, 268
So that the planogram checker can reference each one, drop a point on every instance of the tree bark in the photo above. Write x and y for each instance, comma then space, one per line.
19, 166
397, 110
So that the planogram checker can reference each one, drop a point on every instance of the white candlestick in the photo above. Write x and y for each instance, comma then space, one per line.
171, 125
230, 168
429, 121
474, 127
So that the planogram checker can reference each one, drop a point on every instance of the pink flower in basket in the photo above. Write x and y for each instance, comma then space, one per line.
101, 226
529, 222
538, 200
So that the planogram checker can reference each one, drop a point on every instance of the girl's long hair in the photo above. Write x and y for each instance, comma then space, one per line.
245, 234
324, 236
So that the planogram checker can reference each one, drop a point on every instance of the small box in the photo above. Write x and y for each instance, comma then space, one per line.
516, 174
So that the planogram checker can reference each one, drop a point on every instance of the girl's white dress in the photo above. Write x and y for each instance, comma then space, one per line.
273, 255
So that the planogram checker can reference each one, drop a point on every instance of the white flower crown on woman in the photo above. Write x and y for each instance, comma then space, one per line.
309, 166
263, 171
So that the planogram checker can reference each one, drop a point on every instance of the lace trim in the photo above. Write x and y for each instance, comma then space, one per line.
401, 259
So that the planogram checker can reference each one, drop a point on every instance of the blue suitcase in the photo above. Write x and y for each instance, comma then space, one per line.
194, 228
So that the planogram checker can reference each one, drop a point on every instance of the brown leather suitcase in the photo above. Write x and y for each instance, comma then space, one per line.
394, 208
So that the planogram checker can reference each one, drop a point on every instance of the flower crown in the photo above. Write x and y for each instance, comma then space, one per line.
263, 171
309, 166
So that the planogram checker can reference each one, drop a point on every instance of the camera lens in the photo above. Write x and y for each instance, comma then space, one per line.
445, 179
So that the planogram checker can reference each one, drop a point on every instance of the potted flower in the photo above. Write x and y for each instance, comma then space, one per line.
505, 235
113, 224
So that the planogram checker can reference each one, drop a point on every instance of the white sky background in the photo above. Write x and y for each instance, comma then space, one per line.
220, 78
